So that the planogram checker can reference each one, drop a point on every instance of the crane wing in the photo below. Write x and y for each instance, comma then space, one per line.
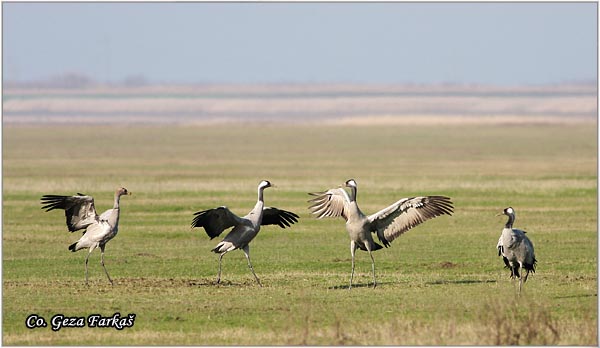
500, 246
275, 216
331, 203
216, 220
516, 238
407, 213
79, 210
95, 232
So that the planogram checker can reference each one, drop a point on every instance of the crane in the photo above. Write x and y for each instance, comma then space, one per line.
516, 249
245, 229
80, 213
388, 223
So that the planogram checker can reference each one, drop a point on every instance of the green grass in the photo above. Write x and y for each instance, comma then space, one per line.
439, 284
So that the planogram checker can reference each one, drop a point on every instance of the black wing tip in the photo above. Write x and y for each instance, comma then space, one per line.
51, 204
444, 204
287, 219
196, 223
290, 215
293, 214
197, 217
281, 218
384, 241
201, 214
52, 198
56, 201
200, 220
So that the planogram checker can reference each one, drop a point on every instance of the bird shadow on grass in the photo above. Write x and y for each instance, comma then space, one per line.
228, 283
221, 284
576, 296
461, 281
365, 285
163, 282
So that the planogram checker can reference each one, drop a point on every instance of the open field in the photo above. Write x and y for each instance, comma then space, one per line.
441, 283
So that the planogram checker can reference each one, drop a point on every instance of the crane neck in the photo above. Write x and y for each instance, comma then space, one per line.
353, 193
117, 198
260, 194
511, 220
256, 213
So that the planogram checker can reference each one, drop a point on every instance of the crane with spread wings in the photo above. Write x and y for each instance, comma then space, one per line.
388, 223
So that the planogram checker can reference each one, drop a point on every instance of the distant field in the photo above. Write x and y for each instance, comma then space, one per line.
440, 284
303, 104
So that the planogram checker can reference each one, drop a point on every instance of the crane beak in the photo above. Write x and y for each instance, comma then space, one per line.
129, 193
499, 214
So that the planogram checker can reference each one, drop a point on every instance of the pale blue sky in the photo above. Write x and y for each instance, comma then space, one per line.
485, 43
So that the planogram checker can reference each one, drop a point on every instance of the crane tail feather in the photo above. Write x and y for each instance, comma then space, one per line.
73, 247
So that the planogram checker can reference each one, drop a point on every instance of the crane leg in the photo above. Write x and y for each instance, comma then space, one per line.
373, 268
102, 262
246, 250
86, 264
352, 252
220, 259
520, 277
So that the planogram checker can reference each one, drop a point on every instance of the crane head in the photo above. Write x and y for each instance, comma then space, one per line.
264, 184
507, 211
123, 191
351, 183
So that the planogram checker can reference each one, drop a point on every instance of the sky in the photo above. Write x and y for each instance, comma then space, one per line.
508, 43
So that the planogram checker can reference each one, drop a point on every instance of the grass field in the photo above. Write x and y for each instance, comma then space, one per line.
441, 283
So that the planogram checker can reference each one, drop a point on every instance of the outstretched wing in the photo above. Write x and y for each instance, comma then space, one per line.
274, 216
216, 220
407, 213
79, 210
331, 203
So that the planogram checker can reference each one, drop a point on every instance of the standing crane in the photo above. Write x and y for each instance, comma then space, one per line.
81, 215
216, 220
516, 249
388, 223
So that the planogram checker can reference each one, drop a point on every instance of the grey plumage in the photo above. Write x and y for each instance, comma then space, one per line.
516, 249
216, 220
388, 223
80, 214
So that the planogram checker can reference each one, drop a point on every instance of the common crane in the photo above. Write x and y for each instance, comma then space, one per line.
516, 249
81, 215
388, 223
216, 220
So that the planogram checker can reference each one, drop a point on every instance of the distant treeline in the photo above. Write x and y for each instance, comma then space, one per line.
74, 80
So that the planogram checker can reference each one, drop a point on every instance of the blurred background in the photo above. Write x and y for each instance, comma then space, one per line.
299, 62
